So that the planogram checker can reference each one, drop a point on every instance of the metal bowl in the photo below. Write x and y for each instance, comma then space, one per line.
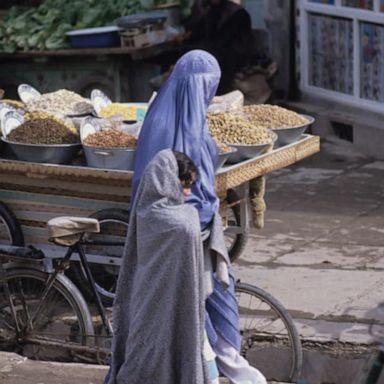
249, 151
246, 152
40, 153
110, 158
290, 135
223, 157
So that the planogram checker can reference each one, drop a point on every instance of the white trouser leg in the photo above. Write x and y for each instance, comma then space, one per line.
210, 359
232, 365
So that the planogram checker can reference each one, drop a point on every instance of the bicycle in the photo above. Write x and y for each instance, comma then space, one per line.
113, 228
41, 311
44, 316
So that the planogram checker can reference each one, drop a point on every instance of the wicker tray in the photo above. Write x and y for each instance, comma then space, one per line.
237, 174
227, 177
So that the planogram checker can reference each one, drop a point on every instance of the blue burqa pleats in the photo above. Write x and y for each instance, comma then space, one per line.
177, 120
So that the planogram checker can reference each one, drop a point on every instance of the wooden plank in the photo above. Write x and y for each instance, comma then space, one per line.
33, 215
134, 53
33, 210
63, 187
66, 173
56, 210
54, 200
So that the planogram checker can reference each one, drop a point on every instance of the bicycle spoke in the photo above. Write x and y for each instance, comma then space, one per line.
7, 326
24, 304
266, 335
5, 235
43, 324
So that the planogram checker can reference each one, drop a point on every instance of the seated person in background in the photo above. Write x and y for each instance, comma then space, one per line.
224, 29
226, 32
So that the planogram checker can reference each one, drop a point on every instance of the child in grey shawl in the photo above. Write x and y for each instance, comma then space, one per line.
158, 313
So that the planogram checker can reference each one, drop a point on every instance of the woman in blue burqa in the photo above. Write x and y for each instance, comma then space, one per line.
177, 120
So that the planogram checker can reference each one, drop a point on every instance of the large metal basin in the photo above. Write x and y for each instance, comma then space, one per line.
39, 153
110, 158
249, 151
223, 157
290, 135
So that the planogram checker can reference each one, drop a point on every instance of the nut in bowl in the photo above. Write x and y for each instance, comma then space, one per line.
62, 101
126, 112
42, 140
288, 124
249, 151
289, 135
109, 148
224, 156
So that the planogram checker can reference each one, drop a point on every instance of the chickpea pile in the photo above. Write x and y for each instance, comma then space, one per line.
223, 148
232, 129
272, 116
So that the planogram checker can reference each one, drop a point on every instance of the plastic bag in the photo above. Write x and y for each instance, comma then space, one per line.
132, 129
230, 102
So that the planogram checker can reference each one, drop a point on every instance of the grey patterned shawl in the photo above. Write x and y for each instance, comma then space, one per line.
158, 314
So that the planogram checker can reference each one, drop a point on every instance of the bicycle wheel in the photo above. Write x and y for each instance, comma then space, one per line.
270, 340
235, 242
113, 227
10, 230
60, 328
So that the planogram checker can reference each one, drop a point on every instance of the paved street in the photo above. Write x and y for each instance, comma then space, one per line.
15, 369
321, 254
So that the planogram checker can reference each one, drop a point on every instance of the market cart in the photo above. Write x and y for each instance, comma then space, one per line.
38, 192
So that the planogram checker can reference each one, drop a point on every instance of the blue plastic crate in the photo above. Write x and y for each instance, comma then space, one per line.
101, 37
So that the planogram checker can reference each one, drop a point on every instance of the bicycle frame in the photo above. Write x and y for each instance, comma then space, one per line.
97, 259
62, 265
83, 259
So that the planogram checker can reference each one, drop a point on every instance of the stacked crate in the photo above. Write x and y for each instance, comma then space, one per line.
142, 30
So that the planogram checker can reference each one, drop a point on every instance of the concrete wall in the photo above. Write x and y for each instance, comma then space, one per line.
366, 128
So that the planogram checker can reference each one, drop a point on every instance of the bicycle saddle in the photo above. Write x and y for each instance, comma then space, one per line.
67, 230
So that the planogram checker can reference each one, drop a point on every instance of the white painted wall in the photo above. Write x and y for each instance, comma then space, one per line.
357, 16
